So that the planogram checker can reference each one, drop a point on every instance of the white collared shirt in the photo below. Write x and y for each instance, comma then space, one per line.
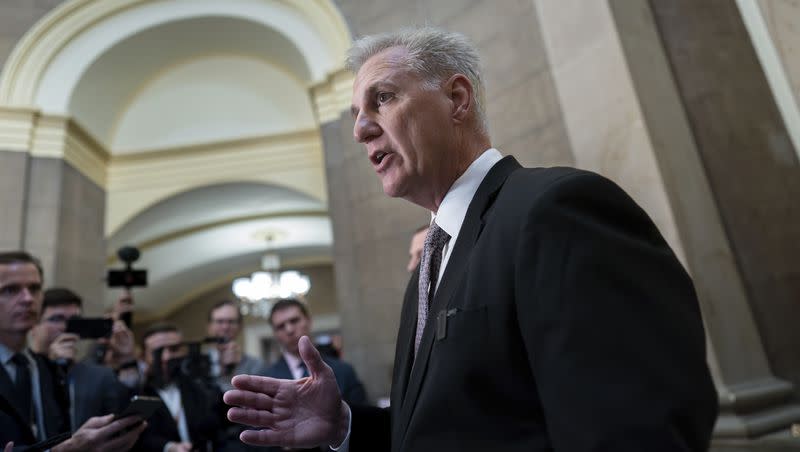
171, 396
453, 208
294, 365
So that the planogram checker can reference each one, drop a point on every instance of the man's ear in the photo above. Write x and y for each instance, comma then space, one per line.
461, 94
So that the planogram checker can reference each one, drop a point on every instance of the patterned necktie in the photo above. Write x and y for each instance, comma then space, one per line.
428, 276
22, 386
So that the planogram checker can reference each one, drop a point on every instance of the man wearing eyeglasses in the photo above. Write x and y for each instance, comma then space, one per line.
90, 389
227, 359
290, 320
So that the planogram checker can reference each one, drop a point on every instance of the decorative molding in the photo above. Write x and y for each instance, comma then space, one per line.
332, 97
60, 137
136, 181
53, 136
23, 70
27, 63
16, 128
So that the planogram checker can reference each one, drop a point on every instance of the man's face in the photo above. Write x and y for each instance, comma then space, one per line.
52, 323
224, 322
289, 325
170, 343
415, 249
405, 126
20, 297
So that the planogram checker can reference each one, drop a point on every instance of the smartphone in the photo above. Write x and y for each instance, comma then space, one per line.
90, 328
141, 406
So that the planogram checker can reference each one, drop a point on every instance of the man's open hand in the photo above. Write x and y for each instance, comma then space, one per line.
291, 413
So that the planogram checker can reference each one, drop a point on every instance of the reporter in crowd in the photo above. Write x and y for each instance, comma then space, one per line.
29, 411
192, 416
90, 389
227, 359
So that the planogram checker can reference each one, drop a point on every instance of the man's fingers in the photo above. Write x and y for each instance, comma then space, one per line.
265, 437
124, 441
253, 418
117, 426
254, 383
248, 399
98, 421
311, 357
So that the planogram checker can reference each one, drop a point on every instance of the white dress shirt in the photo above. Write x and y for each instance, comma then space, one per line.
171, 396
294, 364
453, 208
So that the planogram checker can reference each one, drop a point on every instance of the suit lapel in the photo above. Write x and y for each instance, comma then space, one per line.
282, 369
8, 403
467, 236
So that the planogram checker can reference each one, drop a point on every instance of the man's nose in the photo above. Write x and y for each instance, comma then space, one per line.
27, 295
365, 129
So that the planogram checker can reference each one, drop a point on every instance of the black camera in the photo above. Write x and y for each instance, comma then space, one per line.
127, 277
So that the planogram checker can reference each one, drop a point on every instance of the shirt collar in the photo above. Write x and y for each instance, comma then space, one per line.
5, 354
292, 361
454, 206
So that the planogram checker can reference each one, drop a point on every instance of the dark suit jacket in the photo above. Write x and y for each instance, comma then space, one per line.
13, 427
563, 321
205, 418
95, 392
349, 385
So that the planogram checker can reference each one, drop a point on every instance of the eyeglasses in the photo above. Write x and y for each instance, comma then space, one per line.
290, 321
59, 318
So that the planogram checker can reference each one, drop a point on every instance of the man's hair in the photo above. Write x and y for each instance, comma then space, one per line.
160, 327
222, 303
433, 53
11, 257
58, 296
285, 303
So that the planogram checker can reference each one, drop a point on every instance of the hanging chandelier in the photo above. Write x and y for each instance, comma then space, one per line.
263, 288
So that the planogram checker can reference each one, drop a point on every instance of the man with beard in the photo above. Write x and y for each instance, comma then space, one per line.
192, 416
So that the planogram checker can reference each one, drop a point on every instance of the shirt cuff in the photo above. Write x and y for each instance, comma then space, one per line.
345, 446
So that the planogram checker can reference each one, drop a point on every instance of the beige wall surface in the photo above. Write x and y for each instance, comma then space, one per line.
783, 21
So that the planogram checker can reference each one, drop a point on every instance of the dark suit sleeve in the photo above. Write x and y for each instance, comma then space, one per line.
370, 429
611, 325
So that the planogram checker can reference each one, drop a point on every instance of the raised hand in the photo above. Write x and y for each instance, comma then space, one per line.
65, 347
291, 413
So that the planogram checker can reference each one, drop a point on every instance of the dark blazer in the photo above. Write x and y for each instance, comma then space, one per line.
95, 392
563, 321
13, 427
205, 418
349, 385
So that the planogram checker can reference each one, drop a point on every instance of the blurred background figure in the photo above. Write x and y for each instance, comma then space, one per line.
227, 358
192, 417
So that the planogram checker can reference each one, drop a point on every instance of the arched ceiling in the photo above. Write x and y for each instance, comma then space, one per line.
198, 239
120, 76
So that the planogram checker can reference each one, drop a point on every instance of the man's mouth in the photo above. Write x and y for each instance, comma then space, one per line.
379, 156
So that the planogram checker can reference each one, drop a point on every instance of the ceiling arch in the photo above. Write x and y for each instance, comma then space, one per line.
208, 234
47, 65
